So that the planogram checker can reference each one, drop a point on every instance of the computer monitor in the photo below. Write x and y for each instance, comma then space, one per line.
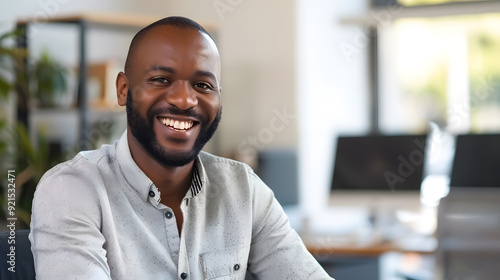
379, 163
477, 161
378, 177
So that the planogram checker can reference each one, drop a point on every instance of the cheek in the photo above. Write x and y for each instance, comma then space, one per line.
142, 100
212, 106
140, 95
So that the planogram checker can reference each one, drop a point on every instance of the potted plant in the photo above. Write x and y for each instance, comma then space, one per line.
29, 160
49, 82
9, 67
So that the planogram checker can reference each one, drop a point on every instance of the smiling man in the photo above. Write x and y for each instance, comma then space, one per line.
152, 206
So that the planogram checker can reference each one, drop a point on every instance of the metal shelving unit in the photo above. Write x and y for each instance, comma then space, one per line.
84, 22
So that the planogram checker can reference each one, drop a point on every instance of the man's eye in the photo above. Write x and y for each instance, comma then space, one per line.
203, 85
161, 80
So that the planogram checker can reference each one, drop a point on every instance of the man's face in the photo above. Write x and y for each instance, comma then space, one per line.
173, 100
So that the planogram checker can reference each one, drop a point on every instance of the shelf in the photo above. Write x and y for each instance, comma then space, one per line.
92, 109
124, 20
382, 16
107, 19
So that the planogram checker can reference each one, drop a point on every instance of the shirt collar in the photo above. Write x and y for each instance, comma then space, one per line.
141, 183
198, 178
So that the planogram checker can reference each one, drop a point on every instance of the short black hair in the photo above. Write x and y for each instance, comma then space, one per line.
177, 21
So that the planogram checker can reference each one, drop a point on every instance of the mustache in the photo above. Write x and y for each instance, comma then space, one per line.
174, 111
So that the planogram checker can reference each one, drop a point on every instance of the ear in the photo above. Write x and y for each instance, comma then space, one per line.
122, 87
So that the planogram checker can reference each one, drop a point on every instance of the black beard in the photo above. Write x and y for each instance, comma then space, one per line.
143, 131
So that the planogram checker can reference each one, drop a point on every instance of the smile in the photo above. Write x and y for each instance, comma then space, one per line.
176, 124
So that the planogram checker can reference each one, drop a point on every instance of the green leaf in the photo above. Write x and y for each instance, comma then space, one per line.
13, 33
4, 88
49, 80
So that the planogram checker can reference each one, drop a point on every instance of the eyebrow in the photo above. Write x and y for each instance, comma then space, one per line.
171, 70
206, 74
161, 68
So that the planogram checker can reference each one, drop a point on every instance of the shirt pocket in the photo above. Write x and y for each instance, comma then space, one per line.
228, 264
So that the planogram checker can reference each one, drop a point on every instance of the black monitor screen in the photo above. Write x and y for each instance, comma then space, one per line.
477, 161
382, 162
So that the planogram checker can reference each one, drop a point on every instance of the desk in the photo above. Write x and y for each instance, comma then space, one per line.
346, 259
325, 245
356, 250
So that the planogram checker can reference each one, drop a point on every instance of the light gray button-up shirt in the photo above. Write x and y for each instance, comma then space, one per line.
98, 216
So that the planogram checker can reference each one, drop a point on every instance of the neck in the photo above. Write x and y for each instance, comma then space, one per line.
172, 181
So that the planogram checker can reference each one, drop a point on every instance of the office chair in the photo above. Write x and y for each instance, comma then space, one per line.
24, 265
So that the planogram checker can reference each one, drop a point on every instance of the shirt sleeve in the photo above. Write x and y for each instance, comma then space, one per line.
65, 226
277, 252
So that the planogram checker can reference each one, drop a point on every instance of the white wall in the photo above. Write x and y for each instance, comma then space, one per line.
332, 93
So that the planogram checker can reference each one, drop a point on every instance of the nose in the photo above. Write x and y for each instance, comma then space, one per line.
182, 96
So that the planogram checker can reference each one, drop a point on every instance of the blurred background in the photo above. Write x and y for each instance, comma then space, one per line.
316, 95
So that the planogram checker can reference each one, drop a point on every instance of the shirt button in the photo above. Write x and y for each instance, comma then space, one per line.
168, 215
151, 193
236, 267
184, 275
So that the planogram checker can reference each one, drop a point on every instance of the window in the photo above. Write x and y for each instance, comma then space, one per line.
444, 70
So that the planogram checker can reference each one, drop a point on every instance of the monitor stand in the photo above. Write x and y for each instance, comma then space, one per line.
385, 211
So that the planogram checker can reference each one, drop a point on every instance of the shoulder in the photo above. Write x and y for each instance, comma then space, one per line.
208, 158
221, 165
65, 170
232, 175
69, 195
79, 174
84, 163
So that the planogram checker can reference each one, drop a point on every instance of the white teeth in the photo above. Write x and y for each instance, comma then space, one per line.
180, 125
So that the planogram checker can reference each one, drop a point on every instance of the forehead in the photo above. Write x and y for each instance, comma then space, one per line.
176, 47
